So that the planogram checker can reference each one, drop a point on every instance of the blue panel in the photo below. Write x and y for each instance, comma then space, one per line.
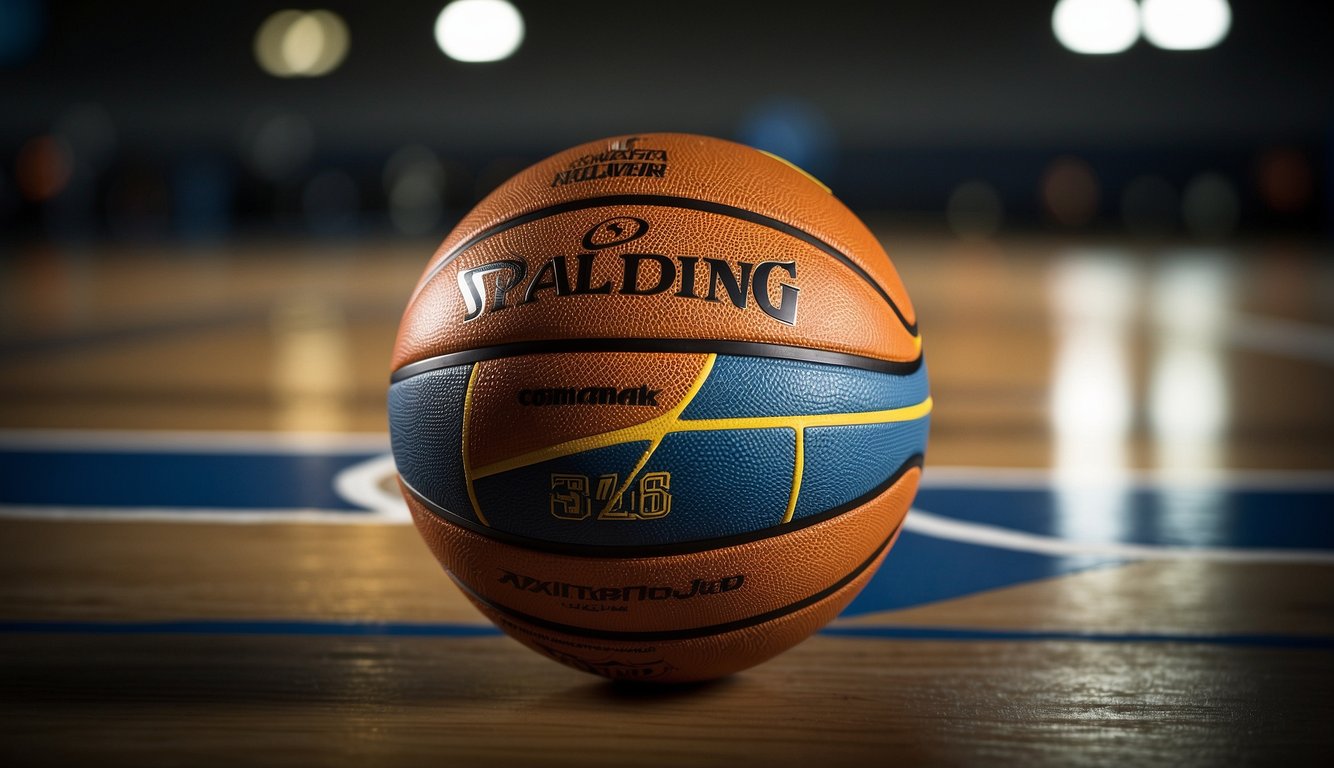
727, 482
759, 386
426, 426
722, 483
844, 463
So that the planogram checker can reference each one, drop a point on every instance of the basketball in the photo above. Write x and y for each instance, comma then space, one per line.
658, 406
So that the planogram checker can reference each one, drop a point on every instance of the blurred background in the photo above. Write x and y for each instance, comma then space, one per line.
1198, 119
1114, 216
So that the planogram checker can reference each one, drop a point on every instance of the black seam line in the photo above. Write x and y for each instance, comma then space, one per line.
680, 346
659, 550
671, 201
694, 632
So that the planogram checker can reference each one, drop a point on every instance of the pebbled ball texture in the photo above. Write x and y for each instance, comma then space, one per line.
658, 406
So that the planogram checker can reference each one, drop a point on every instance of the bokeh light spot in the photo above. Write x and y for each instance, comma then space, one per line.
1096, 26
301, 44
1186, 25
479, 30
796, 132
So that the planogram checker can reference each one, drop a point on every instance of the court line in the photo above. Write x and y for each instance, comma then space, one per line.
333, 628
252, 627
360, 484
131, 441
205, 515
918, 521
1025, 635
935, 476
935, 526
1139, 479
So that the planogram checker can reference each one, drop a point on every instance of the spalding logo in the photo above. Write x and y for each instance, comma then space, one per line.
614, 231
505, 283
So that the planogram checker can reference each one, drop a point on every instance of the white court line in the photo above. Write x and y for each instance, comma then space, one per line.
927, 524
200, 515
918, 521
1147, 479
340, 443
363, 484
195, 441
360, 484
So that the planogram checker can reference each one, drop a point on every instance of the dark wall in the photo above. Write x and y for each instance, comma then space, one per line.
940, 90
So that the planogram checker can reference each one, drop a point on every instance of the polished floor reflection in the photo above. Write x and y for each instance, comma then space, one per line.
1123, 540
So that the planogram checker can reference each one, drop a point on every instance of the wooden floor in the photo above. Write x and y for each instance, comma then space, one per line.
1123, 552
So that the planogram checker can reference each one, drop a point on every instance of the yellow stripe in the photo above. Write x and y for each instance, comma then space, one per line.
907, 413
651, 431
796, 475
654, 430
611, 502
468, 475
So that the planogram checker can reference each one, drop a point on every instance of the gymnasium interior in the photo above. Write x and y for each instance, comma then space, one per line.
1114, 220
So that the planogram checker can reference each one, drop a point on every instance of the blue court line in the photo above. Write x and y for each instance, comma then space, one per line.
1027, 635
250, 627
422, 629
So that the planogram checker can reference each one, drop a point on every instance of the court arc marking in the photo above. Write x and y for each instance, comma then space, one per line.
658, 550
362, 485
368, 487
935, 526
351, 443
